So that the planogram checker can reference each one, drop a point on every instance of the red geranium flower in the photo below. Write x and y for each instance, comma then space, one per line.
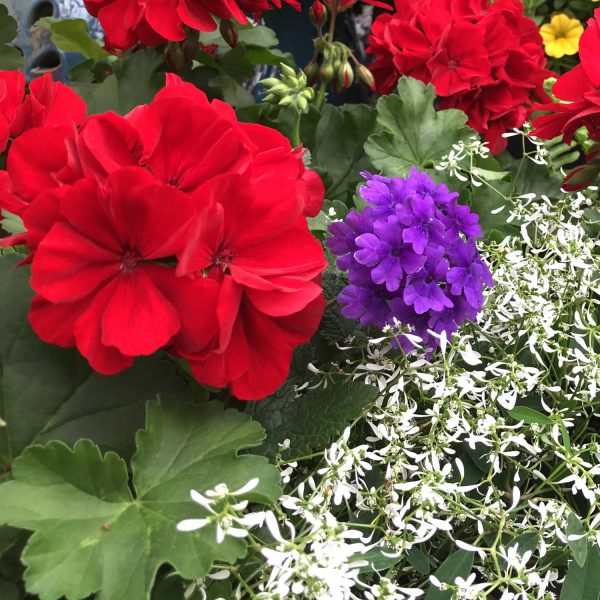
484, 59
579, 89
252, 238
48, 103
153, 22
173, 227
96, 268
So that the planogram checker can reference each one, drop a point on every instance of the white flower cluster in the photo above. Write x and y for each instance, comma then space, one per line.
472, 469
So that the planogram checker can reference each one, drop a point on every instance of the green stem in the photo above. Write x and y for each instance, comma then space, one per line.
296, 141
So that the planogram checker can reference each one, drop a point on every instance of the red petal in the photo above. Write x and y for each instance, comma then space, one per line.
69, 266
108, 142
162, 17
148, 216
279, 304
104, 359
54, 323
138, 319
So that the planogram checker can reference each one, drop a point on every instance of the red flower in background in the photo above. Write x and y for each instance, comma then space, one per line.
173, 227
484, 59
579, 89
48, 104
153, 22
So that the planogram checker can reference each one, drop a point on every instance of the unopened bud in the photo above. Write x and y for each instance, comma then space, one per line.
345, 76
311, 70
229, 32
365, 76
191, 44
318, 13
326, 73
175, 56
580, 177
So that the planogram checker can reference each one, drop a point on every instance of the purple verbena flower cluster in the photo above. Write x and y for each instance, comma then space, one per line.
411, 257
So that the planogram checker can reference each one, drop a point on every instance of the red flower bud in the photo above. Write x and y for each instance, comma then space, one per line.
311, 70
175, 56
318, 13
580, 177
229, 32
365, 76
345, 76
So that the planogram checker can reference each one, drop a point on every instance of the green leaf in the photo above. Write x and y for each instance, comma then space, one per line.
529, 416
418, 559
8, 26
337, 148
456, 565
411, 132
286, 417
71, 35
49, 393
578, 547
135, 81
95, 534
378, 559
11, 223
583, 583
10, 57
9, 591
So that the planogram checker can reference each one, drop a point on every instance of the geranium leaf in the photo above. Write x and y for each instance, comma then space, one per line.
337, 149
72, 35
92, 533
49, 393
313, 420
410, 131
10, 57
134, 81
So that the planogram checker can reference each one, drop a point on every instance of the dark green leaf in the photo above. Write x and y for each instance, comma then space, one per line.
50, 393
583, 583
411, 132
418, 559
135, 81
378, 560
456, 565
530, 416
578, 547
92, 534
337, 149
313, 420
10, 58
8, 26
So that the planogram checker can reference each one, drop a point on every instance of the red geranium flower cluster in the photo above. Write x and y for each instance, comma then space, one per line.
48, 103
174, 227
579, 89
153, 22
483, 58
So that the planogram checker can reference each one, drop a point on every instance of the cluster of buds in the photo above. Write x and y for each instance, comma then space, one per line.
584, 175
290, 90
333, 63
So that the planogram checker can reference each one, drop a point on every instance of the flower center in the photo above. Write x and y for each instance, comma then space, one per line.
130, 260
223, 258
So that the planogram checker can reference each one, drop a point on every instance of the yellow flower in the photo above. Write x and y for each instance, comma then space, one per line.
561, 35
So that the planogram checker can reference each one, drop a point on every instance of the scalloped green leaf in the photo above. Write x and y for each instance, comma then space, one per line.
93, 533
411, 133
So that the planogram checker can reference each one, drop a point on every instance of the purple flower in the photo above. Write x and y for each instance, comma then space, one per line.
423, 289
411, 258
423, 225
469, 274
387, 254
